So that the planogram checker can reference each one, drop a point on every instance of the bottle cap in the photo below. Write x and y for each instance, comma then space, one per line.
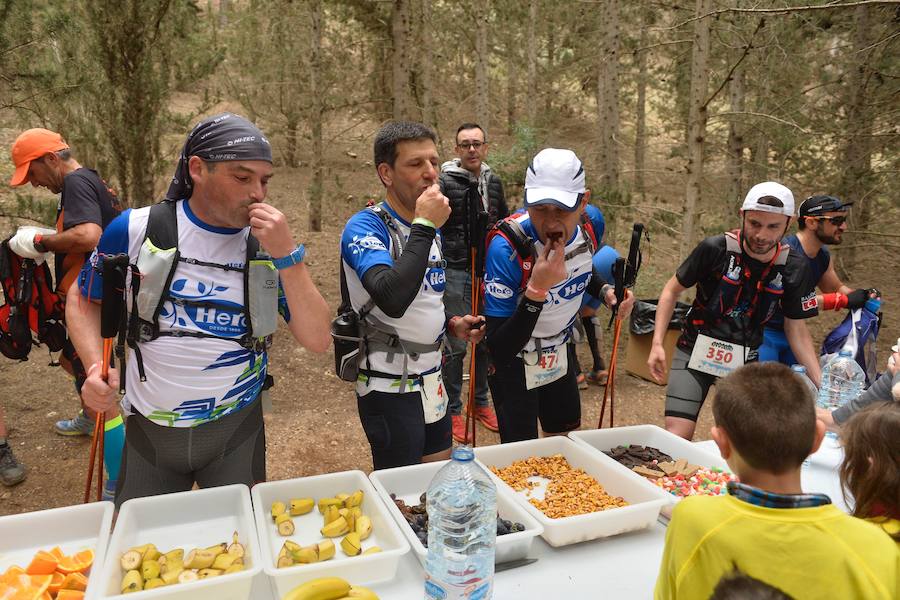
846, 352
463, 454
798, 368
873, 305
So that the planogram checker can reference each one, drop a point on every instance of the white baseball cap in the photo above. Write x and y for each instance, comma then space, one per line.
554, 177
766, 189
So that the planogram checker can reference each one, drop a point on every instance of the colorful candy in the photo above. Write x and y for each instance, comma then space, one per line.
711, 482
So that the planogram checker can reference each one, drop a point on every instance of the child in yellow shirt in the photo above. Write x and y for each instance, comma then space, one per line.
870, 472
766, 527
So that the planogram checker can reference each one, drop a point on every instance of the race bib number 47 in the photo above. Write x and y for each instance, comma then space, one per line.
545, 368
716, 357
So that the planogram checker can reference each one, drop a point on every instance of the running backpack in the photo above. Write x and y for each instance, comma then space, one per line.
859, 332
32, 312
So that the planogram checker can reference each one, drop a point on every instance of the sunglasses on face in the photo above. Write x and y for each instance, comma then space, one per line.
467, 145
836, 221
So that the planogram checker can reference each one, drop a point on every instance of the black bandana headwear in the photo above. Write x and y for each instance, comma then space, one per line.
220, 138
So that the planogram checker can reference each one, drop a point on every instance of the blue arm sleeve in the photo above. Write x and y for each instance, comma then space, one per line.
113, 241
502, 278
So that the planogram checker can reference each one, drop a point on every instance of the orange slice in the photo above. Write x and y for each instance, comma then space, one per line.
57, 552
74, 581
70, 595
43, 563
56, 582
78, 562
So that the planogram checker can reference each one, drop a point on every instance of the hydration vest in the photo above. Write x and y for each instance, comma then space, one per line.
525, 251
368, 332
32, 312
156, 264
732, 286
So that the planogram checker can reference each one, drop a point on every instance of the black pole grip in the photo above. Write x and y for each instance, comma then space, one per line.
113, 304
634, 255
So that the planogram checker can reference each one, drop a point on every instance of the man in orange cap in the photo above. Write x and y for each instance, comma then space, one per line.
86, 206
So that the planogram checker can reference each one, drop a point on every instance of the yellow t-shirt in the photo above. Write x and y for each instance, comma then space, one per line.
816, 552
889, 526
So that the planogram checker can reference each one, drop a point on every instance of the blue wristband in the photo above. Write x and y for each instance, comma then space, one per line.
294, 258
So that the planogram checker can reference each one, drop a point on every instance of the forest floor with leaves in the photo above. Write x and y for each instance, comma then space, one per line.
313, 426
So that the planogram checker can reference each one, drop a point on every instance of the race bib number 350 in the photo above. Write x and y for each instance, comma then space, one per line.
716, 357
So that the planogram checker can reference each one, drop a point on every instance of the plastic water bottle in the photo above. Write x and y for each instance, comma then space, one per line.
462, 530
842, 381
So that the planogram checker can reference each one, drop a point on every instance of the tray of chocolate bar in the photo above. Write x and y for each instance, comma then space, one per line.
660, 459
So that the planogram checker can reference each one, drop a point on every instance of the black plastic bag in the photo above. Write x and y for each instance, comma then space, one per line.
643, 316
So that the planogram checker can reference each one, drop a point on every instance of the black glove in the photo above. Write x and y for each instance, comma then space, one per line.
857, 299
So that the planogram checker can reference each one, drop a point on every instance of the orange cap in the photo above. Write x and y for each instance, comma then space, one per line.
32, 145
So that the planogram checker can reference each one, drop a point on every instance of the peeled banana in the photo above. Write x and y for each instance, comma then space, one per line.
324, 588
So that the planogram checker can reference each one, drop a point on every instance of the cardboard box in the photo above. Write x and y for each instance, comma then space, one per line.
638, 349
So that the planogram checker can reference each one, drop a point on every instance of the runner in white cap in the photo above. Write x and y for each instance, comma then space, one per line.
537, 270
742, 277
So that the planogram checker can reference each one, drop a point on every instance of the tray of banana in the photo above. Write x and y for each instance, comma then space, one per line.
330, 525
197, 545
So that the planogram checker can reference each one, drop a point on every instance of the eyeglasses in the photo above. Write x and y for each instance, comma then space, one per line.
467, 145
836, 221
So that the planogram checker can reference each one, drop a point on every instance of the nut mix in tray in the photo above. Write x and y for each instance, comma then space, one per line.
570, 491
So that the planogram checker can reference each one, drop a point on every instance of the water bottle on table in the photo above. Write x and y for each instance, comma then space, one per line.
842, 381
800, 370
462, 528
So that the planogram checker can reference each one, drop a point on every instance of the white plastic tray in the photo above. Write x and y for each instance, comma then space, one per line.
355, 569
644, 501
72, 528
602, 440
408, 483
188, 520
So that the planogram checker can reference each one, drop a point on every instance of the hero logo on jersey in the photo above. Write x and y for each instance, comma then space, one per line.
216, 316
497, 290
436, 279
574, 287
366, 242
809, 302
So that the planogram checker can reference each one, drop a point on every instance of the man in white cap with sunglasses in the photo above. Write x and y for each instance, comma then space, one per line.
822, 222
537, 269
742, 278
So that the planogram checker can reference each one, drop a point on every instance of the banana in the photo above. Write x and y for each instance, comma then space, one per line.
223, 561
151, 553
324, 588
356, 512
351, 544
291, 546
149, 569
363, 593
132, 582
173, 564
285, 524
218, 548
325, 502
278, 508
235, 568
301, 506
336, 528
373, 550
326, 549
187, 576
307, 555
154, 583
363, 527
332, 513
139, 549
285, 561
131, 560
207, 573
342, 497
199, 559
177, 554
171, 577
355, 499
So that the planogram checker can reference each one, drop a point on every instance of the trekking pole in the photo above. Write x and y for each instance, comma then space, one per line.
476, 224
110, 315
625, 274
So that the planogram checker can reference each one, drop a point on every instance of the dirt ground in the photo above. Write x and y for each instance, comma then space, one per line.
313, 426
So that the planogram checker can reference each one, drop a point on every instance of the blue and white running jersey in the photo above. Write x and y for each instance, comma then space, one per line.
503, 278
365, 243
190, 380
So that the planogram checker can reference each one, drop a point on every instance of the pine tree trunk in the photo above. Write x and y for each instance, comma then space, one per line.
426, 64
735, 163
696, 123
640, 125
512, 76
530, 96
400, 21
316, 116
481, 10
608, 96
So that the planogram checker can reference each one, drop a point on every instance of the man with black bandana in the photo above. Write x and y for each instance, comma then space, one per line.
742, 277
198, 362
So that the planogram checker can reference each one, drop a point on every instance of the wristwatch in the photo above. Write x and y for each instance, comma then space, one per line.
294, 258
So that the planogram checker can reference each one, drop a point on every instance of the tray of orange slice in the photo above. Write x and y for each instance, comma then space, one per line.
50, 554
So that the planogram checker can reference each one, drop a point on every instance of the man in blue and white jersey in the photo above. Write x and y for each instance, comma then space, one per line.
393, 271
193, 386
530, 317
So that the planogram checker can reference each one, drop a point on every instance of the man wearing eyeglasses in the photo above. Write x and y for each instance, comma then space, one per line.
468, 182
822, 222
